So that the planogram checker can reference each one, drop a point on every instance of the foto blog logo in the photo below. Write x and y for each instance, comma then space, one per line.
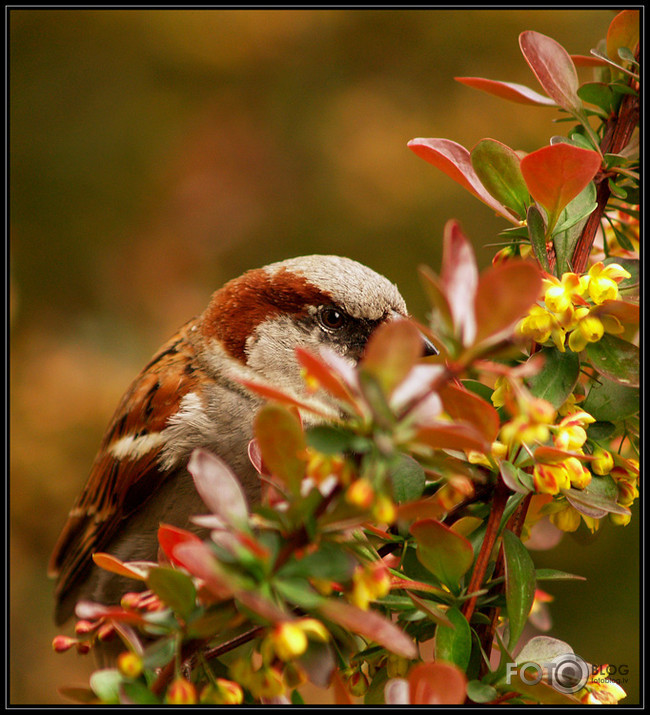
567, 673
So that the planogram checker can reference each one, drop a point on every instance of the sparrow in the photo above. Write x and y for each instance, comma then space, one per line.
190, 395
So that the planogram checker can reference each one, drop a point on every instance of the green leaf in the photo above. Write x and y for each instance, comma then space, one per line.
447, 555
542, 650
616, 359
610, 401
454, 160
558, 376
298, 592
594, 504
510, 475
160, 652
569, 227
407, 479
520, 585
106, 685
454, 645
537, 236
174, 588
330, 563
555, 575
598, 94
334, 439
479, 692
497, 167
137, 693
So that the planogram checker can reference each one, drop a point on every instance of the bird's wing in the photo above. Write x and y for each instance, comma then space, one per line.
126, 470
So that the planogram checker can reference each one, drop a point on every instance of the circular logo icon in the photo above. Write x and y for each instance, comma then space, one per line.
568, 673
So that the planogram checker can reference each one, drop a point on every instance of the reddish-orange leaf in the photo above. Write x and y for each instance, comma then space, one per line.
324, 374
551, 455
553, 68
505, 293
393, 349
459, 278
507, 90
116, 566
170, 536
459, 437
454, 160
557, 173
371, 625
461, 404
587, 61
623, 32
270, 393
437, 684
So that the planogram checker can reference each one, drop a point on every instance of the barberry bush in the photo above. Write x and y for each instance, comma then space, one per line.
387, 559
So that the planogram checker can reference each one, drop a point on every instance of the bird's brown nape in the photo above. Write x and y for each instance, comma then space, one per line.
245, 302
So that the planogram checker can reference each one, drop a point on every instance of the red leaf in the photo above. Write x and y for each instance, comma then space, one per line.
281, 440
199, 560
370, 625
623, 32
170, 536
325, 375
553, 68
587, 61
437, 684
89, 611
459, 437
461, 404
219, 487
454, 160
115, 565
507, 90
459, 277
505, 293
270, 393
557, 173
393, 349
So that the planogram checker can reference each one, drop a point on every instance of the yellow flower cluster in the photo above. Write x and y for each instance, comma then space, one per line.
369, 583
601, 689
570, 308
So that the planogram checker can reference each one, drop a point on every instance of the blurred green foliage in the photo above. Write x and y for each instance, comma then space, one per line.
155, 154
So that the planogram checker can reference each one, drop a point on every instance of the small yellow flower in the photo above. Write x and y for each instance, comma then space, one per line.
600, 689
603, 281
129, 664
540, 325
222, 692
579, 475
369, 583
289, 640
627, 493
360, 494
589, 329
181, 692
620, 519
550, 478
567, 519
383, 510
603, 462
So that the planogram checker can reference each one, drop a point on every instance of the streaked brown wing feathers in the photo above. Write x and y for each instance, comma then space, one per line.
144, 410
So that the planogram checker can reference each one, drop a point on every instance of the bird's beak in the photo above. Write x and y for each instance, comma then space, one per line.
428, 348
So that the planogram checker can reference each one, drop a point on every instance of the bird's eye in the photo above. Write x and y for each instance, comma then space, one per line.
331, 318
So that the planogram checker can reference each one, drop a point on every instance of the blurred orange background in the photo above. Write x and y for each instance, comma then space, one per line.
154, 154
